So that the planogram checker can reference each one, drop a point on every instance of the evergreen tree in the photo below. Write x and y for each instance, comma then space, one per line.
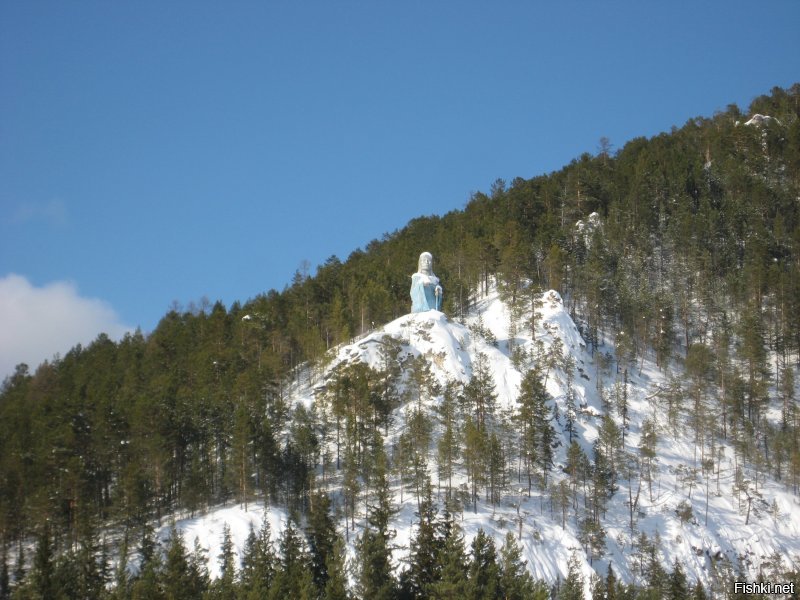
122, 580
699, 592
483, 572
224, 586
293, 578
479, 394
322, 537
259, 563
677, 586
147, 582
452, 565
178, 579
375, 573
516, 582
537, 434
424, 568
475, 457
449, 444
655, 575
43, 568
91, 567
572, 588
336, 584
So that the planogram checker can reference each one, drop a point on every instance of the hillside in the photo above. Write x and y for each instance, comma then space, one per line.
647, 407
728, 536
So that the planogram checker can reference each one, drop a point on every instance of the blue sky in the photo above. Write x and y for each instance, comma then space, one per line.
160, 151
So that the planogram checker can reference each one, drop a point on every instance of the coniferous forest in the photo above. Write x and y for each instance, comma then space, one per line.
697, 261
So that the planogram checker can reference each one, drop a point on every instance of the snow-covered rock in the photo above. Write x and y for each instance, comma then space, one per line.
761, 120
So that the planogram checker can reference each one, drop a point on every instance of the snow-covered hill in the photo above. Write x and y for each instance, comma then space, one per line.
724, 527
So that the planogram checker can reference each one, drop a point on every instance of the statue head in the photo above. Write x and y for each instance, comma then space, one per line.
425, 264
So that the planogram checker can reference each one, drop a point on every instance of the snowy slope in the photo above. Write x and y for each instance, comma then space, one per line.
731, 537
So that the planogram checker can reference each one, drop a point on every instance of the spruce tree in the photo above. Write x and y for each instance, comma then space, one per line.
178, 579
452, 564
424, 568
516, 582
483, 572
259, 563
375, 572
224, 586
43, 568
322, 536
699, 592
336, 584
293, 578
677, 587
572, 588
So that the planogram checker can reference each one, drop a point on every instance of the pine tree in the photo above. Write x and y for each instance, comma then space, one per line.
647, 450
415, 442
577, 468
449, 444
699, 592
537, 434
122, 580
610, 587
241, 452
479, 393
92, 568
655, 575
496, 480
475, 457
19, 565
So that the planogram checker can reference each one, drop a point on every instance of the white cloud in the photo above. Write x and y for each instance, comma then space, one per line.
39, 322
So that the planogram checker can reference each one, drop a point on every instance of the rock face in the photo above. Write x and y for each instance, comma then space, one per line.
426, 293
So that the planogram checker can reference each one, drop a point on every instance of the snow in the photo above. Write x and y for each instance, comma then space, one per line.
452, 348
208, 529
761, 120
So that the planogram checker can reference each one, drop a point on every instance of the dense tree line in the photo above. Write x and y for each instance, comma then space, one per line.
309, 563
692, 256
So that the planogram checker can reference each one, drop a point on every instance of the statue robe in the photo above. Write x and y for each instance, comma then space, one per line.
423, 293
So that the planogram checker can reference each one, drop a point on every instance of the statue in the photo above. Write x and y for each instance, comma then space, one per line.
426, 293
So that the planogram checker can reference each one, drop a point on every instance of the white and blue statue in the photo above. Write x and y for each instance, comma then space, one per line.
426, 293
